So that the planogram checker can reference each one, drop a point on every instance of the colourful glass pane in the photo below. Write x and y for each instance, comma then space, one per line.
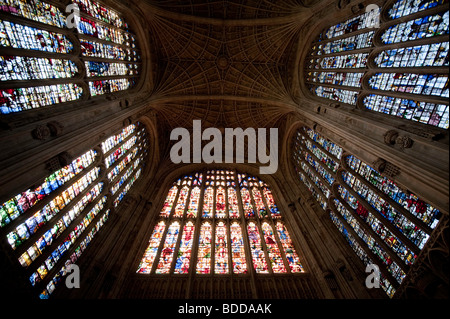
96, 10
274, 211
273, 251
258, 256
422, 210
404, 8
146, 264
360, 41
260, 207
109, 86
102, 50
181, 203
338, 78
18, 100
120, 151
221, 249
35, 10
166, 257
348, 61
435, 54
24, 201
220, 203
237, 249
115, 140
390, 239
289, 250
193, 203
31, 68
424, 112
233, 207
184, 252
247, 203
424, 27
340, 95
23, 231
425, 84
95, 68
24, 37
204, 249
167, 207
328, 145
208, 202
360, 252
360, 22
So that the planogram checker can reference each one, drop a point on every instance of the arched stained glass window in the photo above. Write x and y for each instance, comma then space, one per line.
48, 226
383, 222
226, 239
397, 67
37, 43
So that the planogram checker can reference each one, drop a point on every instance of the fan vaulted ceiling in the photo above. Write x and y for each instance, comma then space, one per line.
224, 62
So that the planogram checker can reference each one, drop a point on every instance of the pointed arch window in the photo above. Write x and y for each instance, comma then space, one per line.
224, 237
383, 222
44, 62
48, 226
357, 63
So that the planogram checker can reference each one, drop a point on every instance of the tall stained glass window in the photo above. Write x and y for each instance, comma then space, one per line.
49, 225
218, 234
384, 223
54, 64
356, 63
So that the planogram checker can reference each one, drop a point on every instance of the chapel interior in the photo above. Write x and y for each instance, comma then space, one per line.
356, 209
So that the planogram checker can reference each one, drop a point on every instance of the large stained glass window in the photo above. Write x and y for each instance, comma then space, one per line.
384, 223
49, 225
218, 234
107, 59
408, 80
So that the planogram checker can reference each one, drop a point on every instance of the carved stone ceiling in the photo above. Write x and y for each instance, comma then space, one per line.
224, 62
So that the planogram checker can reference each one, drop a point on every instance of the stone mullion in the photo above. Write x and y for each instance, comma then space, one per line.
364, 224
366, 249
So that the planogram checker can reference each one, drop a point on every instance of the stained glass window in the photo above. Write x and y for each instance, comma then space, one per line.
237, 249
106, 46
221, 252
204, 249
184, 252
165, 260
336, 73
226, 234
378, 217
51, 223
